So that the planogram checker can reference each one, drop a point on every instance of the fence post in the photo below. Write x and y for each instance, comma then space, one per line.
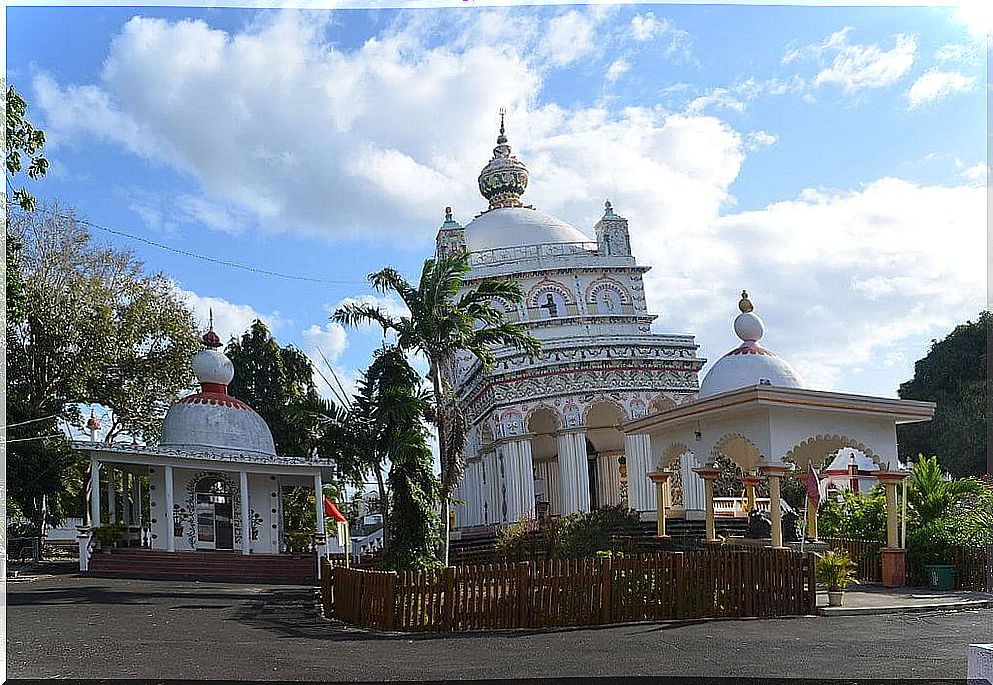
391, 604
989, 568
606, 573
448, 607
680, 583
523, 594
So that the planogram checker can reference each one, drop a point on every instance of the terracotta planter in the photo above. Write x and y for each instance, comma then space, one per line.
836, 598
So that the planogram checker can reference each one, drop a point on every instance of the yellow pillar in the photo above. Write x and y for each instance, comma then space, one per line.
660, 478
750, 483
709, 474
891, 524
776, 511
660, 496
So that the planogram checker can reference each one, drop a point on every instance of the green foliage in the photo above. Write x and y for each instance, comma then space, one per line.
930, 497
513, 542
298, 541
859, 516
586, 534
23, 144
953, 375
89, 326
270, 378
441, 325
414, 492
109, 533
835, 570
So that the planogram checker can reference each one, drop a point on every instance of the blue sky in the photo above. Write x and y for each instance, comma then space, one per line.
830, 160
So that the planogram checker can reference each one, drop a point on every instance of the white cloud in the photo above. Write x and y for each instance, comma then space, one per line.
934, 85
617, 68
718, 98
230, 319
647, 27
977, 173
760, 139
331, 339
569, 37
857, 67
977, 16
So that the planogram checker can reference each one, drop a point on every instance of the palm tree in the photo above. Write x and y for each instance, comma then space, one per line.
930, 496
362, 435
443, 323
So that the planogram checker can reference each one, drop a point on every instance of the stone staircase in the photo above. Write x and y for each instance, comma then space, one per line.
221, 566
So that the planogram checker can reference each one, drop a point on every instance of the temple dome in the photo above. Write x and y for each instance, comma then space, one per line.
514, 226
212, 420
749, 364
507, 222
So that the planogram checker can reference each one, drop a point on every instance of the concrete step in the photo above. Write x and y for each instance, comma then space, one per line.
204, 566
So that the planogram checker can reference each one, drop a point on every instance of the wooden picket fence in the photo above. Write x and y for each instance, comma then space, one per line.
865, 554
571, 592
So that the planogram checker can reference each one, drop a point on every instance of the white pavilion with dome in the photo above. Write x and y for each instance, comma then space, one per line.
214, 481
754, 411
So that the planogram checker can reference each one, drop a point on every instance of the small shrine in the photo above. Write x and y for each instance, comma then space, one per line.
213, 482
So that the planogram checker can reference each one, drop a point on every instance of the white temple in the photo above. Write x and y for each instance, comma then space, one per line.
214, 481
607, 402
545, 432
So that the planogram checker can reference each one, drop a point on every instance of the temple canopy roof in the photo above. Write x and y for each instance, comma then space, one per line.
750, 363
212, 420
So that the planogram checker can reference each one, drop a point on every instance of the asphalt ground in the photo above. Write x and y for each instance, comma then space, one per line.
70, 627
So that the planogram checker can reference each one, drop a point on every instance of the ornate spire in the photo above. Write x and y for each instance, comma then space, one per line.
211, 339
745, 305
448, 214
505, 178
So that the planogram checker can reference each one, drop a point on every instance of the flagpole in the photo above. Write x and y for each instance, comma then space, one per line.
803, 529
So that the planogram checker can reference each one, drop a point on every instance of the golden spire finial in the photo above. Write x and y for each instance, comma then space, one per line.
745, 305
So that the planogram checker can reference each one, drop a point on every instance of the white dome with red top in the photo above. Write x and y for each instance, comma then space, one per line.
748, 364
212, 420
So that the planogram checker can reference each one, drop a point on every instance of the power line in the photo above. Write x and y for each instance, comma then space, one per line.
215, 260
212, 260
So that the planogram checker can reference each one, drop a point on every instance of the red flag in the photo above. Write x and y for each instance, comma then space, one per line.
813, 489
331, 510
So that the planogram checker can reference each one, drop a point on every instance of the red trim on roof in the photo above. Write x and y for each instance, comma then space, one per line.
216, 399
750, 347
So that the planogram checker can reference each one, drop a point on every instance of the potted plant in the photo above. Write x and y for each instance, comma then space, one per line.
836, 570
108, 535
298, 542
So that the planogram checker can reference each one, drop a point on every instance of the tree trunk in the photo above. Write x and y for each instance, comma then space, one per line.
384, 507
439, 415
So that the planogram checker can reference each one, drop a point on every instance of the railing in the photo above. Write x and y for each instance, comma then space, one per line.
502, 255
736, 506
560, 592
865, 554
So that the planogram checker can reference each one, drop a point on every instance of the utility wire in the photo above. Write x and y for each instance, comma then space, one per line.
212, 260
24, 423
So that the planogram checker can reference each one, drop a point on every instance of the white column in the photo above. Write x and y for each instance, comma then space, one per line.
608, 479
169, 515
126, 498
319, 507
111, 495
641, 492
694, 496
518, 470
246, 525
94, 492
574, 476
492, 493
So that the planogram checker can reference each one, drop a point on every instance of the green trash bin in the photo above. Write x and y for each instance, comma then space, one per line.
941, 576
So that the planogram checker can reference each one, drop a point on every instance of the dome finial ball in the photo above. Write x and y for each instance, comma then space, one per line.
745, 305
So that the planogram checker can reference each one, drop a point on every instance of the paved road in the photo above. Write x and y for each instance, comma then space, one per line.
66, 626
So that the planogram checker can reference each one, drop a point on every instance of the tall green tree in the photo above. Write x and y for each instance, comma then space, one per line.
22, 149
930, 496
446, 318
954, 376
89, 327
270, 378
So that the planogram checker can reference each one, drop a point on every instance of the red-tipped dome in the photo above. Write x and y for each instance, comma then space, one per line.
211, 339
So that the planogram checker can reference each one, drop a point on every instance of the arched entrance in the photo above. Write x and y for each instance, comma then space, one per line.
605, 449
543, 424
214, 512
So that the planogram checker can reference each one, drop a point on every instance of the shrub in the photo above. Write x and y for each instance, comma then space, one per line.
109, 533
859, 516
583, 535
